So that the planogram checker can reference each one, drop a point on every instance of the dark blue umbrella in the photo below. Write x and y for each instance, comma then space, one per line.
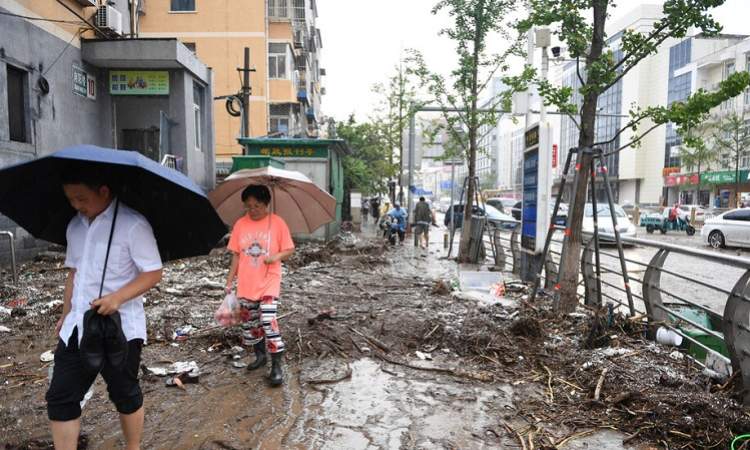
184, 222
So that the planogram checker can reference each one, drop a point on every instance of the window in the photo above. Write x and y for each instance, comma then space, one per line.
197, 102
17, 104
299, 9
278, 9
190, 46
277, 61
182, 5
747, 69
728, 70
743, 215
279, 119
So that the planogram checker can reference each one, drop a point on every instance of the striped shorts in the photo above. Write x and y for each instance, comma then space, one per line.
259, 323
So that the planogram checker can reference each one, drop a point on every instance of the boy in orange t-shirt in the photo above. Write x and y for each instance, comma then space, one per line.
259, 242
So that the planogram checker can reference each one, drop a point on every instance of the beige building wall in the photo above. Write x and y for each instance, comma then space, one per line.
220, 30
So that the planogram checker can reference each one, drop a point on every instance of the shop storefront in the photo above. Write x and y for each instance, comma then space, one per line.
686, 189
724, 186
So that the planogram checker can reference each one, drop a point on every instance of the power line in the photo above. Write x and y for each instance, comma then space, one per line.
62, 52
71, 22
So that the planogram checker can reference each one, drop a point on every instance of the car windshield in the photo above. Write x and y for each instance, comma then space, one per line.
603, 210
493, 212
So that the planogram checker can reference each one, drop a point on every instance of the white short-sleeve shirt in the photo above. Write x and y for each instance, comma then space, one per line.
132, 252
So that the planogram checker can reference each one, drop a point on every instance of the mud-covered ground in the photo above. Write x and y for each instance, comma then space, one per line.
380, 354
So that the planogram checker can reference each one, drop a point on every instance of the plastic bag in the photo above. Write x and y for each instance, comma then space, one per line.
228, 313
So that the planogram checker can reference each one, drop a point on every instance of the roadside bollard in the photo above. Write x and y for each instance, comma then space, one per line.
445, 240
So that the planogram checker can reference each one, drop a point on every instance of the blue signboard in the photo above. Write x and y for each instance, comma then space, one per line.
530, 192
446, 185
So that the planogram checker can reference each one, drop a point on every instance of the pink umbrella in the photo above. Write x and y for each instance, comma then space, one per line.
303, 205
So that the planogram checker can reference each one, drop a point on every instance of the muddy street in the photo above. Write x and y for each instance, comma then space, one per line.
380, 354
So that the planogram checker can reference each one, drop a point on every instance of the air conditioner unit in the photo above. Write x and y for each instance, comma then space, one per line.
109, 18
87, 2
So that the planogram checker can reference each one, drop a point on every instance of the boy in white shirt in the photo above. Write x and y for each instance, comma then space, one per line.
133, 267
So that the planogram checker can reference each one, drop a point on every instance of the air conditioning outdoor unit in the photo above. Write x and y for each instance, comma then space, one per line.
109, 18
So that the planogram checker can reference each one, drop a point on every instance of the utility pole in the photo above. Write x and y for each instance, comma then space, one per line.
412, 136
245, 94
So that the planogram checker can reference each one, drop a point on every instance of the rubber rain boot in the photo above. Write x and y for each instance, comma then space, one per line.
260, 356
277, 376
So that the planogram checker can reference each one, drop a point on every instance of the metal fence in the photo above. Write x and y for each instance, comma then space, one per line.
666, 297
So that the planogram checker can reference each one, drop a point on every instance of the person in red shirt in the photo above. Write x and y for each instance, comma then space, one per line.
259, 242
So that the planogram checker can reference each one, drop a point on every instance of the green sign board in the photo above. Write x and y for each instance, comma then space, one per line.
80, 81
723, 177
139, 82
288, 151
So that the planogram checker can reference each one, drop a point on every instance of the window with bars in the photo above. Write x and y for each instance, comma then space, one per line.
278, 9
182, 5
299, 9
277, 61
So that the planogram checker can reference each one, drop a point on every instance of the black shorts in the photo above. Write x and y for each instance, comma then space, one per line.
71, 381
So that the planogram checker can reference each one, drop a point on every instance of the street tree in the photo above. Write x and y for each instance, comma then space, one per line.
473, 24
580, 25
729, 141
367, 168
398, 102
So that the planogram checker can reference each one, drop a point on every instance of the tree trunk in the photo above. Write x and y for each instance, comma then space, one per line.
737, 178
473, 128
571, 253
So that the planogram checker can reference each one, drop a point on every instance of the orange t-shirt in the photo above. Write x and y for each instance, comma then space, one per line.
254, 240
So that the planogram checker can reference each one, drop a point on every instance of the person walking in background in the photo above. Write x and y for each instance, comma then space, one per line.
365, 210
375, 209
259, 242
423, 218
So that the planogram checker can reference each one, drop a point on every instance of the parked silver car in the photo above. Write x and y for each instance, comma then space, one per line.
731, 229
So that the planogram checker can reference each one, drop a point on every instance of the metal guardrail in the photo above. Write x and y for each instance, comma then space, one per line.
12, 242
659, 303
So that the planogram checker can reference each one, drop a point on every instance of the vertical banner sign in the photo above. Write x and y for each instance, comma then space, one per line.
530, 183
554, 156
80, 81
536, 189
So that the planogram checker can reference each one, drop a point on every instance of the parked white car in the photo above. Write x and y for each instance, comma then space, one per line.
624, 226
731, 228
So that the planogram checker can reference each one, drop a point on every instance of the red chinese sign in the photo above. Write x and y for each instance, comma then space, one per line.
669, 171
682, 179
554, 156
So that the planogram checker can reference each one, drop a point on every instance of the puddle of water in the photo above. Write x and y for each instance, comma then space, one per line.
375, 409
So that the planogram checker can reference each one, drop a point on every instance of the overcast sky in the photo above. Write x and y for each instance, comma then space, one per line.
362, 42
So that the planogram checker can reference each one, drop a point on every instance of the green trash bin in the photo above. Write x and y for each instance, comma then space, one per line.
702, 318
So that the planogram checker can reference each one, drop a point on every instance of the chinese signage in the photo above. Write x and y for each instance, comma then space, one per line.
669, 170
139, 82
682, 179
292, 152
554, 156
723, 177
83, 83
